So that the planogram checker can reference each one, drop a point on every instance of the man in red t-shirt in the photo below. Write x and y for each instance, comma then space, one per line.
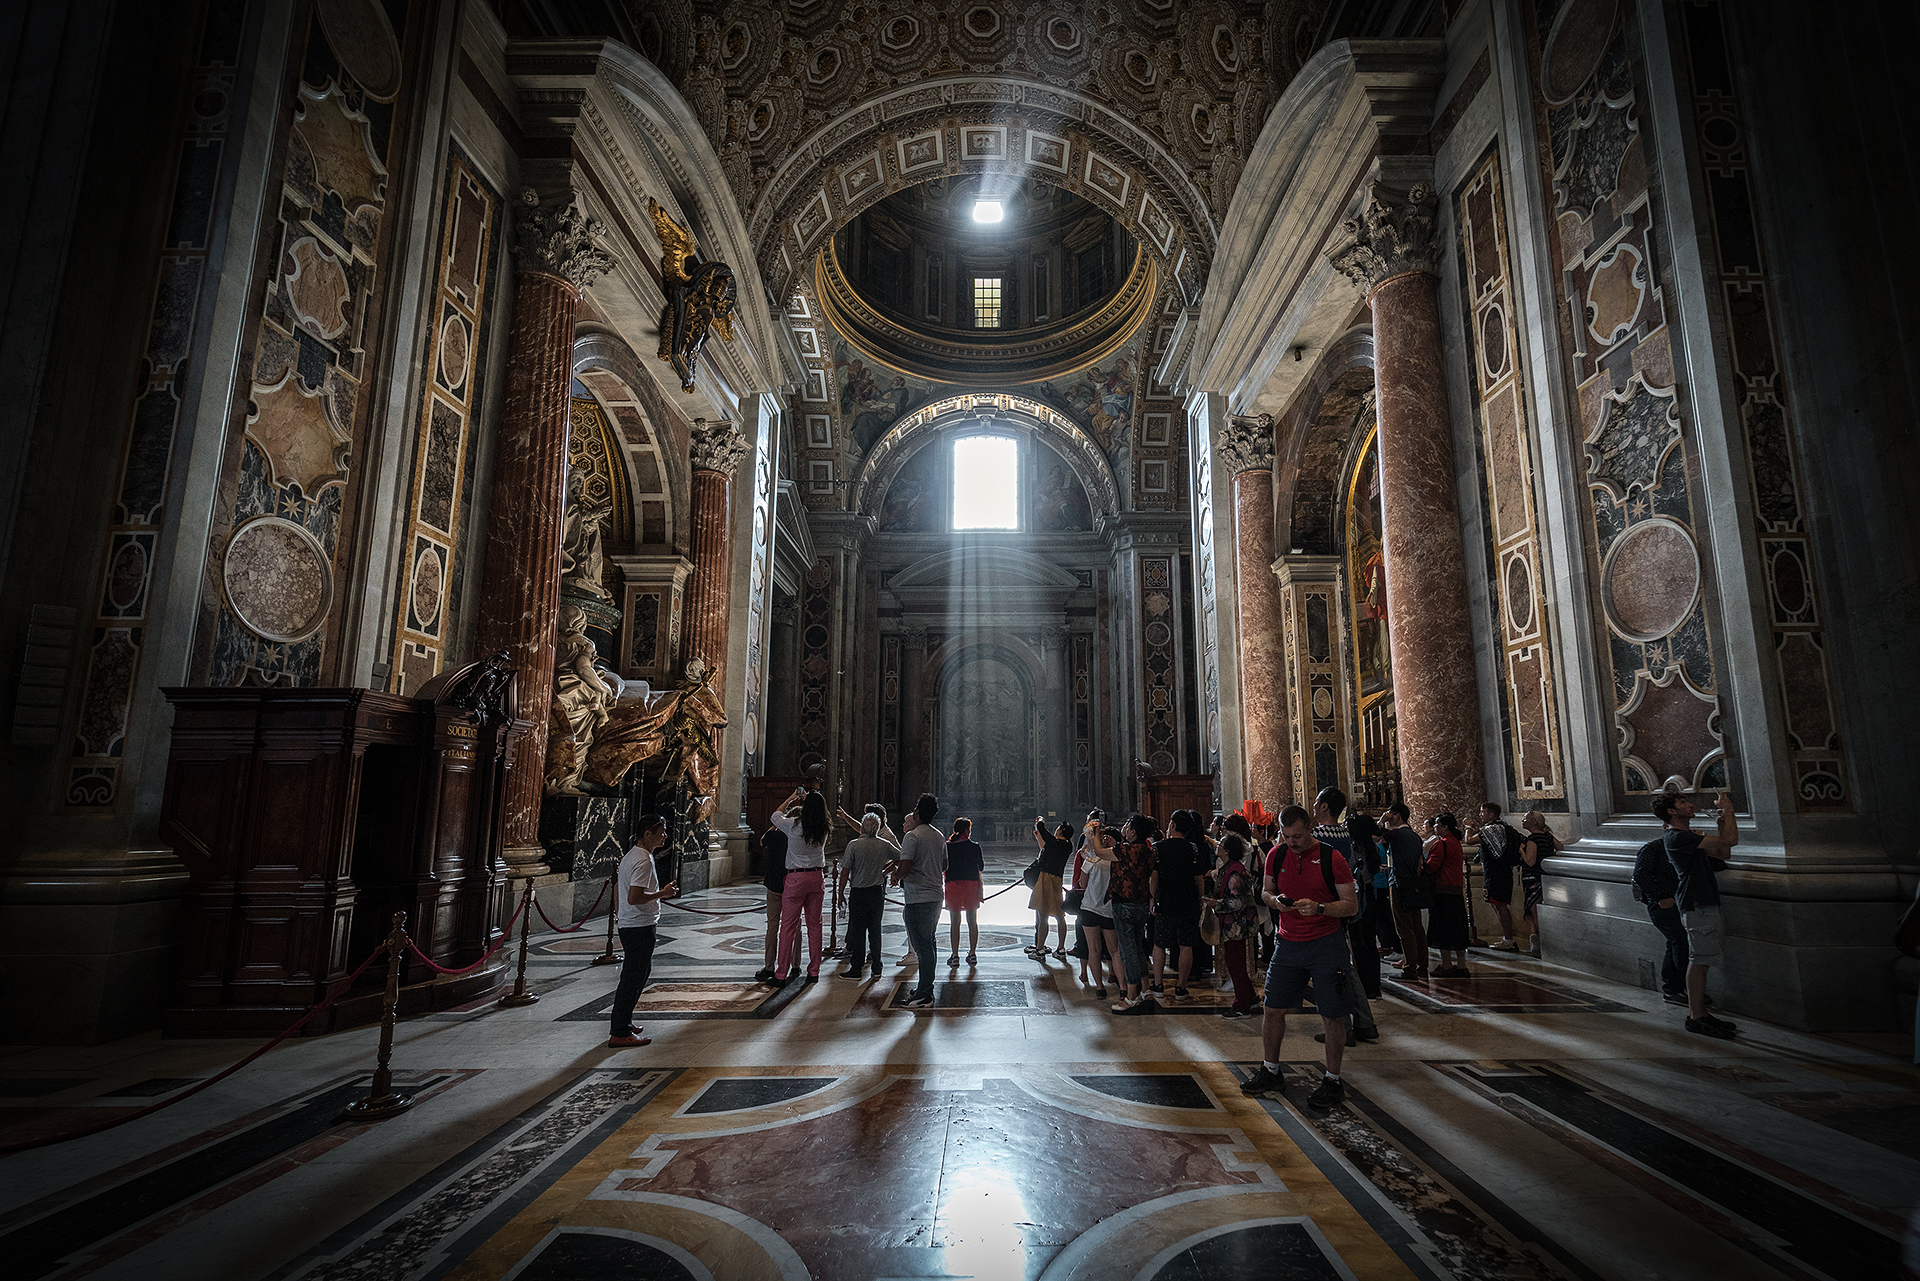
1308, 947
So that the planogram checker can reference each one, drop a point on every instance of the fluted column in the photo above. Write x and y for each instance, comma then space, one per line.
1246, 454
520, 593
716, 453
1391, 253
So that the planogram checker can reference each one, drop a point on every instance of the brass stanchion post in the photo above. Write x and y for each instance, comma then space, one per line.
520, 996
833, 937
381, 1101
611, 957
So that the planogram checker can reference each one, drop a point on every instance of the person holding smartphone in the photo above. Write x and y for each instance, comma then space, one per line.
640, 893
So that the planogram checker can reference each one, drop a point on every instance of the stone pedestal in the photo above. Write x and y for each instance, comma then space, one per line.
1392, 255
520, 593
585, 836
1246, 452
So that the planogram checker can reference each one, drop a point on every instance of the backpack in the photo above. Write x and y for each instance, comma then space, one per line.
1655, 849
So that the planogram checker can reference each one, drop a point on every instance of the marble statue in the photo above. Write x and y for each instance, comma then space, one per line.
583, 691
700, 297
673, 728
581, 559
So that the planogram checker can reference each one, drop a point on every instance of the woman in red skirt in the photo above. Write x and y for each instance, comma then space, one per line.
965, 862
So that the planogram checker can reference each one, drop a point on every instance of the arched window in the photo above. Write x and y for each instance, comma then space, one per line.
986, 482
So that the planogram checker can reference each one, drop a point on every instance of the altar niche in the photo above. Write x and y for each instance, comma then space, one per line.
984, 741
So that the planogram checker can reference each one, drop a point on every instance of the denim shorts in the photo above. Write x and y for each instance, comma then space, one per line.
1325, 961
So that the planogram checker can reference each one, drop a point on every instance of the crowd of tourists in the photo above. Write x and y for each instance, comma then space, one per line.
1316, 901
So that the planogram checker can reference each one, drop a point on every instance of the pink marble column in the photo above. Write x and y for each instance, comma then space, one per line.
716, 453
520, 588
1246, 452
1436, 695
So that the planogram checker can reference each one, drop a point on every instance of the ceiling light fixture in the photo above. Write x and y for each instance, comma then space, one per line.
988, 211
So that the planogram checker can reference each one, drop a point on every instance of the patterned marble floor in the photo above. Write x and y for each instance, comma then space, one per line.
1529, 1122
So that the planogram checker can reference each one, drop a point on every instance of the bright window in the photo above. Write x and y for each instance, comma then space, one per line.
986, 302
986, 483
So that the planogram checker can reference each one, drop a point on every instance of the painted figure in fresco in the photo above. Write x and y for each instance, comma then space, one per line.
700, 297
582, 692
1060, 504
881, 412
1367, 558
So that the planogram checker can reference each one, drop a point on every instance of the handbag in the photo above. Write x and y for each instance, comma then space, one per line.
1031, 877
1071, 901
1209, 925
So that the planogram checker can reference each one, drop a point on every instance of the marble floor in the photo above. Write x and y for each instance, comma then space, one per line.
1530, 1122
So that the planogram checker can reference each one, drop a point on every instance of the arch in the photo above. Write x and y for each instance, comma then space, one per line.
906, 438
644, 422
1003, 124
1316, 443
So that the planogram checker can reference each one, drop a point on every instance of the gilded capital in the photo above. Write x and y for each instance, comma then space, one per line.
1392, 236
562, 241
1247, 443
716, 446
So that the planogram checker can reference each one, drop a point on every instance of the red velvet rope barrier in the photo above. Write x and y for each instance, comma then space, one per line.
506, 936
339, 990
580, 924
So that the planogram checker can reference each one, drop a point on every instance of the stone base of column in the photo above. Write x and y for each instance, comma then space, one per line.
524, 861
1805, 949
101, 933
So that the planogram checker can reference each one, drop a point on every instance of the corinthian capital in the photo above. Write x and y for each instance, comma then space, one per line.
1392, 236
716, 446
562, 242
1247, 443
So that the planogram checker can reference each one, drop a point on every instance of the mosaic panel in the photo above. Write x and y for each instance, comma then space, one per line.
180, 282
1532, 731
1747, 287
1631, 425
443, 473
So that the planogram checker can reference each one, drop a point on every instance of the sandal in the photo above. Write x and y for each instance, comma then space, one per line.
954, 960
972, 959
1100, 993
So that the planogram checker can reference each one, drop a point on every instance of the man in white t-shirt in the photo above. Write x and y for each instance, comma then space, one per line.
921, 873
638, 892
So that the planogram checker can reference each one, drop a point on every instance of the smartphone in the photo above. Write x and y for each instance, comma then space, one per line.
1284, 900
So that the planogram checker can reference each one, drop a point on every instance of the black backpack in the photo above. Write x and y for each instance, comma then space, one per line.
1648, 853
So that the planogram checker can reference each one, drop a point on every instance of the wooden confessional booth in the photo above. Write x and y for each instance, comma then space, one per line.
308, 817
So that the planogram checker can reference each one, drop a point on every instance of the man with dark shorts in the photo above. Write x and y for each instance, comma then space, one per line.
1309, 947
1695, 859
1328, 806
1499, 856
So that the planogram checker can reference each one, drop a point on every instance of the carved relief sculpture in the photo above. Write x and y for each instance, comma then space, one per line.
582, 694
581, 558
673, 728
700, 297
563, 242
1247, 443
1392, 236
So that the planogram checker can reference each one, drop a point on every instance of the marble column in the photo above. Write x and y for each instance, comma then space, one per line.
520, 591
1246, 454
716, 453
1391, 253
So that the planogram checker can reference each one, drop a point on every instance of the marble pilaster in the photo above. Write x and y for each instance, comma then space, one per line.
1053, 656
1246, 454
1391, 253
520, 593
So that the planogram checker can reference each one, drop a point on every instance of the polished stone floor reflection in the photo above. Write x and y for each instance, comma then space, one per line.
1528, 1122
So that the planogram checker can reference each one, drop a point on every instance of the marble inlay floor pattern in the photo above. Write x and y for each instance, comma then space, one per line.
1530, 1123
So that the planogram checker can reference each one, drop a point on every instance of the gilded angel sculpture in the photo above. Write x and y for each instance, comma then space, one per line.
700, 297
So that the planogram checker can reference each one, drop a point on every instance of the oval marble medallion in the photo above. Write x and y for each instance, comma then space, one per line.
1520, 595
455, 351
1650, 580
427, 578
1322, 703
363, 40
278, 580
